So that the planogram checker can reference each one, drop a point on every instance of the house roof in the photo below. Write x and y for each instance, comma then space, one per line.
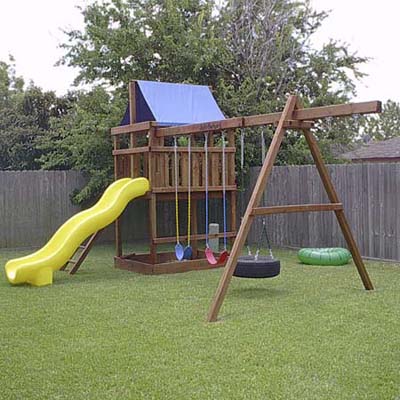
174, 104
385, 149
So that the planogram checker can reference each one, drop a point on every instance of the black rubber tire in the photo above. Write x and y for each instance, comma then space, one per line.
264, 267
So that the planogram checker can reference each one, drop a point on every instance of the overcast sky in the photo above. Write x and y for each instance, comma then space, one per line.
31, 32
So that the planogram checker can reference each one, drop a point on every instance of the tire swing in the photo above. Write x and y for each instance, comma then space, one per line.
257, 266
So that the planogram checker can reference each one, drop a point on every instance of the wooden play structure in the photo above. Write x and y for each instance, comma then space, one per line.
145, 148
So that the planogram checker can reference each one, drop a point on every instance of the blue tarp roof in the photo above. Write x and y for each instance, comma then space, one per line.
174, 104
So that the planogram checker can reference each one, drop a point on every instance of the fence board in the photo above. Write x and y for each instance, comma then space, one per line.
33, 204
371, 198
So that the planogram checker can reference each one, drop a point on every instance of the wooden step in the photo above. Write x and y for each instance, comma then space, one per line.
78, 262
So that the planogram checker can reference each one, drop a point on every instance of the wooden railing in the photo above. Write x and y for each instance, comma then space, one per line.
156, 160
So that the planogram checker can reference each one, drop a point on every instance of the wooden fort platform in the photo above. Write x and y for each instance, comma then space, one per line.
146, 149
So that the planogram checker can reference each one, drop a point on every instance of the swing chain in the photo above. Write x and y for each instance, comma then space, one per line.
224, 188
176, 189
242, 180
206, 183
189, 187
264, 232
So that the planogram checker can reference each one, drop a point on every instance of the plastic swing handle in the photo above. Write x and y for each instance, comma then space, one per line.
178, 247
210, 256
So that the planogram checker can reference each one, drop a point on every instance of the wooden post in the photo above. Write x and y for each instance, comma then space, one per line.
153, 227
132, 120
118, 241
153, 141
248, 217
333, 197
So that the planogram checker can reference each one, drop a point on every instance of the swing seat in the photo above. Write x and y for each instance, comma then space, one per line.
211, 258
179, 252
188, 253
263, 267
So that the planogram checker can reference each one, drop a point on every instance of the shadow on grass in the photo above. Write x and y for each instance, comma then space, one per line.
258, 293
91, 277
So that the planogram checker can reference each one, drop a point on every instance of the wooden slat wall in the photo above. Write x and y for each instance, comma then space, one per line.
33, 204
370, 194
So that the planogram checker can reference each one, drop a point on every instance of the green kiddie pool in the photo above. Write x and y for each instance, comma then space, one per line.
328, 256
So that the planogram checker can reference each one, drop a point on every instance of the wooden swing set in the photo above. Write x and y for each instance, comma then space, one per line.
142, 149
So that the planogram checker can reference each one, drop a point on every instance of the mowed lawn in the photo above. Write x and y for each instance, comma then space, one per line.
311, 333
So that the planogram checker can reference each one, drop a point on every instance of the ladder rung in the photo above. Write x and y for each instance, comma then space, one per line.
297, 208
82, 246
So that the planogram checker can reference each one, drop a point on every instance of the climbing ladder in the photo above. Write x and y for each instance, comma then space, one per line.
76, 263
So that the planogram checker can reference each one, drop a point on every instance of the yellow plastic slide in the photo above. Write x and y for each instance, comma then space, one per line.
37, 268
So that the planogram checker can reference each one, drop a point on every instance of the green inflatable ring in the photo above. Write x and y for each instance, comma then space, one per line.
329, 256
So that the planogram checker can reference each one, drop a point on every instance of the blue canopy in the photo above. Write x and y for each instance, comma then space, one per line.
174, 104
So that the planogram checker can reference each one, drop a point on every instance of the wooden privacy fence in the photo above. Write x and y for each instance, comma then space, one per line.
370, 194
33, 204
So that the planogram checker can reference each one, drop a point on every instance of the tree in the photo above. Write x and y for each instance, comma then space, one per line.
385, 125
81, 140
268, 55
166, 40
24, 118
252, 52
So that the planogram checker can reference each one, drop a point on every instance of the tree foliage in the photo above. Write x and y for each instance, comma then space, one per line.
252, 52
167, 40
24, 119
385, 125
81, 140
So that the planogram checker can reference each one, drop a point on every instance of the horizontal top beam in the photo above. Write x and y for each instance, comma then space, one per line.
301, 119
230, 123
215, 126
313, 113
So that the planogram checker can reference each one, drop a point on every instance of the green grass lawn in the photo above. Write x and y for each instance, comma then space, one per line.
311, 333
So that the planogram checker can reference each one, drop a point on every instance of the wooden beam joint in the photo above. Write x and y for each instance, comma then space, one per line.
297, 208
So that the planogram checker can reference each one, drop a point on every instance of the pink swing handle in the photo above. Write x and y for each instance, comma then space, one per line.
210, 256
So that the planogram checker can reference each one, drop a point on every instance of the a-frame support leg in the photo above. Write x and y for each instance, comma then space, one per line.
333, 197
259, 188
248, 217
